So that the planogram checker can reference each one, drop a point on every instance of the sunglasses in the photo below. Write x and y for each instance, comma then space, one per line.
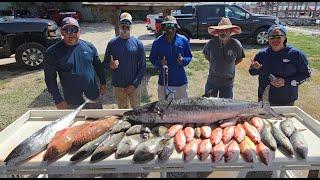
170, 25
71, 30
275, 37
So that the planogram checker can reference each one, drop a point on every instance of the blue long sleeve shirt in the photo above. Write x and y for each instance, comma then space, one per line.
161, 47
76, 66
290, 64
132, 61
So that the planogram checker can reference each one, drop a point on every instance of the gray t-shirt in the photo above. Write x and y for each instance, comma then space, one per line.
222, 60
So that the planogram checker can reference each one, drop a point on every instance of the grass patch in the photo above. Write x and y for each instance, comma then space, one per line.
27, 90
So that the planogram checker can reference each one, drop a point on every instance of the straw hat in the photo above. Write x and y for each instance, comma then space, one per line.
224, 23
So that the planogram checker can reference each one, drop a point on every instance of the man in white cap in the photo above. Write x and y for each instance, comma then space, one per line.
223, 53
76, 62
125, 57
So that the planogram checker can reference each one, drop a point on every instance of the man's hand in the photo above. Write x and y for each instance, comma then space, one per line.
113, 63
279, 82
180, 59
103, 89
129, 89
255, 64
164, 61
62, 105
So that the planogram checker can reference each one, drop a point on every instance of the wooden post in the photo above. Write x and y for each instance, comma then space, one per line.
116, 15
315, 10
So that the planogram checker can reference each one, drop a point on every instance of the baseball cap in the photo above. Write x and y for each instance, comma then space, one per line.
171, 20
277, 26
69, 21
126, 18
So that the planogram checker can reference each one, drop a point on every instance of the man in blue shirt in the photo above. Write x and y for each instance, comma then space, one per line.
283, 66
76, 62
171, 51
125, 57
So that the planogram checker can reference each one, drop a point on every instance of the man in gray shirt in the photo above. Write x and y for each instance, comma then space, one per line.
223, 53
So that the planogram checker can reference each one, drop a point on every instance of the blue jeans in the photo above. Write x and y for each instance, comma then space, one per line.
212, 90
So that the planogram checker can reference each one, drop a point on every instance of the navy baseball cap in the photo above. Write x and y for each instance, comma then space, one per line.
69, 21
277, 26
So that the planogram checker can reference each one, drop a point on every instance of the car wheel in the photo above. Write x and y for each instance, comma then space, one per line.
30, 55
261, 36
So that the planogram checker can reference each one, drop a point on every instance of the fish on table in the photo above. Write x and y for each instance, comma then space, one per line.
287, 127
128, 144
167, 150
195, 110
39, 140
299, 144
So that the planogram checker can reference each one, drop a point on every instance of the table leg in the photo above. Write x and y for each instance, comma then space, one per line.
163, 174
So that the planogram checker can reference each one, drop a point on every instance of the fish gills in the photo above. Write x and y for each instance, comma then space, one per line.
287, 127
252, 132
204, 149
217, 152
232, 152
167, 150
258, 123
247, 149
299, 144
216, 136
264, 153
191, 149
239, 133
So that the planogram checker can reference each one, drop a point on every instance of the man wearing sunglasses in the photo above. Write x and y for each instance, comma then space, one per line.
287, 65
125, 57
76, 62
171, 51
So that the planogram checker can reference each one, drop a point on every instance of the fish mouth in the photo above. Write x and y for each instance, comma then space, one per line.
80, 155
100, 156
143, 157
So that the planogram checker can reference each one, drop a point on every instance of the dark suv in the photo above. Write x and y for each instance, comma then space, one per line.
253, 26
27, 38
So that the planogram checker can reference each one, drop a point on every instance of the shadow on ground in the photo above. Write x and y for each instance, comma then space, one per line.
12, 70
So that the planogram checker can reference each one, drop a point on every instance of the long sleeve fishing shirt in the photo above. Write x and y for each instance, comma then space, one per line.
77, 67
161, 47
132, 61
290, 64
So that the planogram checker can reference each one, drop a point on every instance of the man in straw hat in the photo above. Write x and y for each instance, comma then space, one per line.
223, 53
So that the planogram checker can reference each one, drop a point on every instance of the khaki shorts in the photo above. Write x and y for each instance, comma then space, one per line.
124, 99
180, 92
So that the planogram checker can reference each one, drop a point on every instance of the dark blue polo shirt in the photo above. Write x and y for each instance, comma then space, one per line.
76, 66
290, 64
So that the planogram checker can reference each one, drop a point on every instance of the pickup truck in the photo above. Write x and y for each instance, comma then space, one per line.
27, 38
253, 26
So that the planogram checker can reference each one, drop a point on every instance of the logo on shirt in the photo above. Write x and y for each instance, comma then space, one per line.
86, 52
285, 60
230, 53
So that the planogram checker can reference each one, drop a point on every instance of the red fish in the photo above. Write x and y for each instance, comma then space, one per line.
191, 149
180, 140
247, 149
252, 132
204, 149
205, 132
239, 133
189, 133
264, 153
216, 136
228, 133
232, 152
257, 122
172, 131
217, 152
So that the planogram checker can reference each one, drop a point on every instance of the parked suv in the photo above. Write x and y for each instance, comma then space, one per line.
27, 38
58, 14
253, 26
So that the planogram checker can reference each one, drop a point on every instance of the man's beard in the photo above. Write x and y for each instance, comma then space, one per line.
125, 33
224, 37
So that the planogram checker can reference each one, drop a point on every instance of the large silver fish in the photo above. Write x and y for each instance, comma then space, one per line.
39, 140
195, 110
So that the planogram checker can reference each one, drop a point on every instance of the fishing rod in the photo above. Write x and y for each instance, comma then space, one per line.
165, 73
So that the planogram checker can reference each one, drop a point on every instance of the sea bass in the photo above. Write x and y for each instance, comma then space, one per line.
194, 110
39, 140
107, 147
268, 139
167, 150
128, 145
147, 150
299, 144
287, 127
